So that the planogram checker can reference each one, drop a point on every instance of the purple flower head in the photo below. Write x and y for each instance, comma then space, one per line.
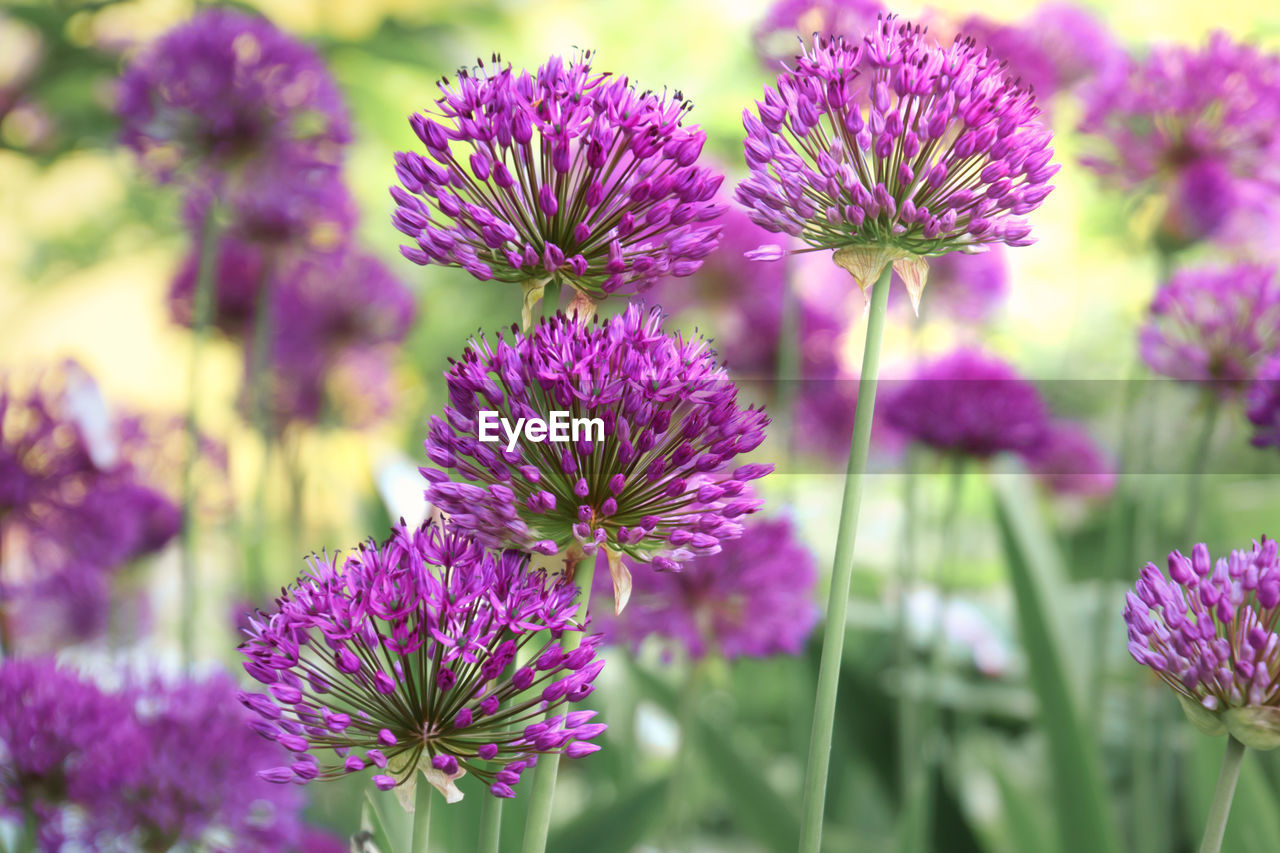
193, 775
892, 149
649, 473
224, 89
968, 403
965, 288
789, 23
1263, 404
1059, 46
402, 657
1212, 109
51, 724
1067, 461
755, 598
1207, 629
1213, 326
564, 174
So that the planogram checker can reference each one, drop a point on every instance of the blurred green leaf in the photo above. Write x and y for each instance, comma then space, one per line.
1080, 799
623, 822
371, 822
1022, 813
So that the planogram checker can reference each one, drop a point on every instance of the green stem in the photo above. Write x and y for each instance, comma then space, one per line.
490, 825
201, 316
259, 379
824, 712
1216, 826
1199, 464
421, 819
538, 823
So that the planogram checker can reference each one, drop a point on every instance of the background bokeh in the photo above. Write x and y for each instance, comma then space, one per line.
88, 247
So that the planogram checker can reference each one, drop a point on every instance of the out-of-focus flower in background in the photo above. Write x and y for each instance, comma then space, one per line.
754, 598
1213, 326
1069, 461
566, 175
396, 659
790, 25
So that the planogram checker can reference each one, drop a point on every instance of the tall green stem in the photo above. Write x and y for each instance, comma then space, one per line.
201, 315
824, 711
421, 820
1216, 826
538, 823
490, 825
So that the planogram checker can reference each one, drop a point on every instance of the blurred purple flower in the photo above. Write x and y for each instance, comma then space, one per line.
893, 149
789, 25
564, 174
755, 598
969, 403
1208, 631
189, 777
224, 89
1263, 404
1186, 122
1213, 326
1057, 47
1067, 461
651, 480
403, 657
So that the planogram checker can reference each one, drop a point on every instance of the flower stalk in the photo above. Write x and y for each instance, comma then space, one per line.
1225, 790
815, 786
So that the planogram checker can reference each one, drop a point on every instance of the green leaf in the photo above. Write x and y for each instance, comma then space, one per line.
623, 823
1085, 821
371, 822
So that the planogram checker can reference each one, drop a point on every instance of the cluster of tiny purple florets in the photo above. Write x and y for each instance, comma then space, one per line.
565, 174
1207, 628
402, 656
894, 142
1213, 326
654, 482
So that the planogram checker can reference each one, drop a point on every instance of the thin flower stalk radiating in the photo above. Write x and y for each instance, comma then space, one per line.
401, 658
887, 150
656, 479
564, 175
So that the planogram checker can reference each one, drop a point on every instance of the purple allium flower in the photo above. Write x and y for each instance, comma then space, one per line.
1057, 47
966, 288
564, 174
788, 23
190, 776
1213, 326
52, 724
893, 149
1068, 461
755, 598
403, 657
227, 88
969, 403
1208, 631
294, 206
1214, 109
650, 479
1263, 404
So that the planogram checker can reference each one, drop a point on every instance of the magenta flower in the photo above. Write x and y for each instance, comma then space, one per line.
892, 149
562, 175
225, 89
1207, 629
1067, 461
1214, 109
968, 403
755, 598
402, 657
1213, 327
1263, 404
651, 478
